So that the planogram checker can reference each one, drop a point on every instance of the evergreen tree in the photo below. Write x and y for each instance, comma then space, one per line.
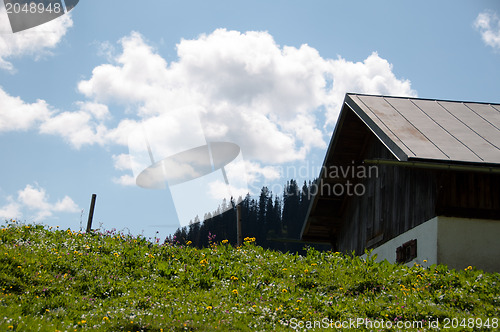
262, 216
266, 218
276, 224
291, 202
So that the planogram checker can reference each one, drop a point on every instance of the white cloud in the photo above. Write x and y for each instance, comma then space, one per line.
85, 126
17, 115
254, 171
123, 162
98, 111
488, 25
66, 205
137, 75
79, 127
12, 210
373, 76
35, 42
36, 200
248, 90
225, 86
33, 198
218, 190
256, 89
126, 180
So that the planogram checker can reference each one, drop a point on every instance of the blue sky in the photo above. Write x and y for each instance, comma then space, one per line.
77, 93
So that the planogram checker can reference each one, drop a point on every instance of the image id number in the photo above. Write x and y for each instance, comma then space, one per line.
33, 8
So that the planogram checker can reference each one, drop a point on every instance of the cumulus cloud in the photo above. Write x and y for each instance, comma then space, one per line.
36, 200
12, 210
488, 24
123, 162
138, 75
126, 180
255, 172
19, 115
81, 127
277, 103
247, 89
218, 190
37, 41
373, 76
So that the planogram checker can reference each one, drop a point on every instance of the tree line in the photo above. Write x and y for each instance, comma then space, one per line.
275, 221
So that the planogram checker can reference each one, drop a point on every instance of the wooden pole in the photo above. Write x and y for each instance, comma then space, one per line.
238, 225
91, 213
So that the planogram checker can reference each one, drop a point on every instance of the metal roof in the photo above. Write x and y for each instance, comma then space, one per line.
434, 130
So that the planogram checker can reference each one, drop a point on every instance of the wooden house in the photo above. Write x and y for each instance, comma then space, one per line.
416, 180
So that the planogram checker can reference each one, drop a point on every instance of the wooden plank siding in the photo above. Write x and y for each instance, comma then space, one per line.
468, 195
397, 200
401, 198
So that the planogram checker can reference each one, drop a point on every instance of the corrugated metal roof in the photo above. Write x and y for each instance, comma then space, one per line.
450, 131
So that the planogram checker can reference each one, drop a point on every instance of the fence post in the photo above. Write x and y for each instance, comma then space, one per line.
91, 213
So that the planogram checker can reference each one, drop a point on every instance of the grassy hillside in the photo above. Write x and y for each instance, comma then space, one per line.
53, 279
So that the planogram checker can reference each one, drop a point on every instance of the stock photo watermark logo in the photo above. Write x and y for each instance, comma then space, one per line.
334, 181
341, 180
27, 14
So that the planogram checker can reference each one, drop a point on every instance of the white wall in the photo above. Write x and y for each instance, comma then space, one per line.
427, 241
456, 242
463, 242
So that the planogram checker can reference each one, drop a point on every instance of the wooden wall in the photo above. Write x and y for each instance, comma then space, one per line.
468, 195
401, 198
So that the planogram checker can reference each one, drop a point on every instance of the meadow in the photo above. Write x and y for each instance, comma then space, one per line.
60, 280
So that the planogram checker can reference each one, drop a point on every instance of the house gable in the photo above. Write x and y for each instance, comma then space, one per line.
433, 158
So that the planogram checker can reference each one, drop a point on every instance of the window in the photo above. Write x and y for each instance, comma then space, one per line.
406, 252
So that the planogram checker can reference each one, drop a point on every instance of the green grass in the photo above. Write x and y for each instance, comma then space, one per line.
53, 279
